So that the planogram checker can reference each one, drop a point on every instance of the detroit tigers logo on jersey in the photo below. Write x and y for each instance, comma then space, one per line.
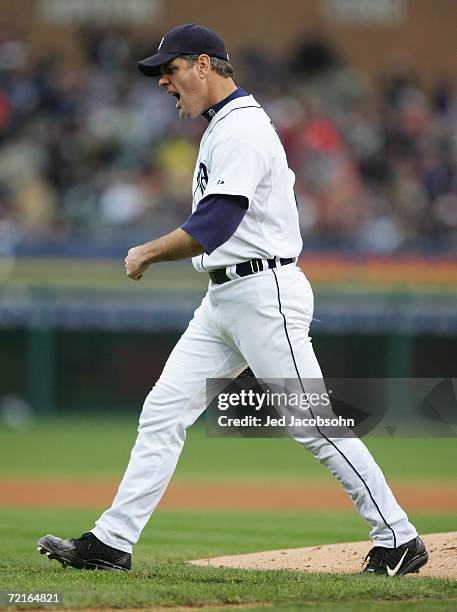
202, 178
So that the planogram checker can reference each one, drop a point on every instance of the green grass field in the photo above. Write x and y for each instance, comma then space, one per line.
160, 576
91, 447
76, 442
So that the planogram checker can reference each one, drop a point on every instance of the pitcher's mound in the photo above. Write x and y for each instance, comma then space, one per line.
342, 558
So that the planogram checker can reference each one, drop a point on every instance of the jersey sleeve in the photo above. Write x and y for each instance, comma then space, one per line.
235, 168
215, 220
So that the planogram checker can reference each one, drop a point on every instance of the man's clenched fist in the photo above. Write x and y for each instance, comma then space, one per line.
135, 263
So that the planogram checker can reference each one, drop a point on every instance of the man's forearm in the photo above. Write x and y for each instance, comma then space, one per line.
176, 245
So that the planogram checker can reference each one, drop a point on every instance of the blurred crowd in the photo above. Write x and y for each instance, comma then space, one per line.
93, 158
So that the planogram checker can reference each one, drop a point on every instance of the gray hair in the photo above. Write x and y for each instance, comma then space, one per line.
221, 67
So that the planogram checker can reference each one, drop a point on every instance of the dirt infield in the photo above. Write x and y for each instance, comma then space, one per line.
342, 558
59, 493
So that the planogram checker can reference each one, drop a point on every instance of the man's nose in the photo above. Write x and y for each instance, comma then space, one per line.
163, 81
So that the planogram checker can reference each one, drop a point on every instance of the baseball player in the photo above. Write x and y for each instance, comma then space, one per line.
244, 234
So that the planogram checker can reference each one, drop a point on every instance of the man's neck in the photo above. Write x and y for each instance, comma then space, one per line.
223, 90
211, 111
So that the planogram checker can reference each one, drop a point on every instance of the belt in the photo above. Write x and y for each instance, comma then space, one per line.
223, 275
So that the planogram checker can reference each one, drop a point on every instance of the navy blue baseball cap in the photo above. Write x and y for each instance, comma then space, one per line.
189, 39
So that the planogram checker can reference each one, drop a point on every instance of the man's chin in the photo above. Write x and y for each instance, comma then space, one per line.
187, 114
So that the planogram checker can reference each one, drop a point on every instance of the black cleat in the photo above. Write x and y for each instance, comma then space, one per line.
86, 552
404, 559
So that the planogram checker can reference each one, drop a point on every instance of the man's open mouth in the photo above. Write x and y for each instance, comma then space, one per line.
176, 95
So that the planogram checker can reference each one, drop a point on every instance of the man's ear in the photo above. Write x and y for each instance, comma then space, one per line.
204, 65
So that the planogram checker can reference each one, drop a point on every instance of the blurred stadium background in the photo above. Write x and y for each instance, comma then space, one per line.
93, 161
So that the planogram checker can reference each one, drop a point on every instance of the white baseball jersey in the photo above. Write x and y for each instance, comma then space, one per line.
241, 154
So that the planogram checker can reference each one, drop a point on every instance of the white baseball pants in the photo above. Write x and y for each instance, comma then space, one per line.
262, 321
